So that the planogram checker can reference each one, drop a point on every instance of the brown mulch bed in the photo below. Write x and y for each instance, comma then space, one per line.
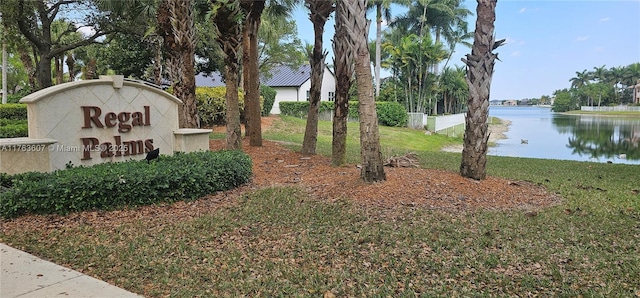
275, 165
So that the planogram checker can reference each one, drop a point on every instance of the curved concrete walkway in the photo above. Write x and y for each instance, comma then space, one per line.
25, 275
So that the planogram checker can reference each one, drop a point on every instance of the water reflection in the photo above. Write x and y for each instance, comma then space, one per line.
600, 136
572, 137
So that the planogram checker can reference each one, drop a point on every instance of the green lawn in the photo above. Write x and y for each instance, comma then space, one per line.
279, 242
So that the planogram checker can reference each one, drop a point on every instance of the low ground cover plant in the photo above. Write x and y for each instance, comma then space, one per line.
116, 185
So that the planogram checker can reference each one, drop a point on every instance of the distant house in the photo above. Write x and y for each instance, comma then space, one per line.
290, 84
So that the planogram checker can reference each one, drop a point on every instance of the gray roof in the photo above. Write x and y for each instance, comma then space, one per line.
209, 80
281, 76
284, 76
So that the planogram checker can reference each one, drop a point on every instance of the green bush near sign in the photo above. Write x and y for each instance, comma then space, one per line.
183, 176
13, 120
211, 105
13, 111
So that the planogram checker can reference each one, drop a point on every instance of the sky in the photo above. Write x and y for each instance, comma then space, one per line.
547, 41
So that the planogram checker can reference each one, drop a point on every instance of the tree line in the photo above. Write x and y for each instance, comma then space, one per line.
600, 87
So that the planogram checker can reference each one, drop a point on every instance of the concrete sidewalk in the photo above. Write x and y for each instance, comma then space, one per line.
25, 275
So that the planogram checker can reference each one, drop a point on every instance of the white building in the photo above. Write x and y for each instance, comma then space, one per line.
290, 84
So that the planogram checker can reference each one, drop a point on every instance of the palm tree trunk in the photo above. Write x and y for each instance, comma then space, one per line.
320, 11
175, 22
370, 152
59, 69
71, 65
479, 73
378, 46
343, 61
229, 35
252, 76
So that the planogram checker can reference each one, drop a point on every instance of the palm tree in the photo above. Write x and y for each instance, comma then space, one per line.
253, 126
253, 10
319, 12
383, 12
175, 25
343, 69
581, 79
454, 88
354, 17
227, 17
599, 73
479, 73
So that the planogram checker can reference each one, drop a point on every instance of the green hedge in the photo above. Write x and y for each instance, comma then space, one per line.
13, 128
389, 113
269, 96
13, 111
108, 186
211, 105
301, 108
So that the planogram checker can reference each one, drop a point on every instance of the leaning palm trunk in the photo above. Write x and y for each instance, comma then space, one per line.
343, 61
320, 11
175, 22
227, 18
371, 155
479, 71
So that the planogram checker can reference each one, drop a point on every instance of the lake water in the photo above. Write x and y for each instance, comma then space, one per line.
569, 137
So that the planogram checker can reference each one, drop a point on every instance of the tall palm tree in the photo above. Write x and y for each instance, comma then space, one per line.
343, 57
479, 73
454, 88
319, 13
176, 26
227, 17
253, 126
383, 12
253, 10
354, 17
581, 79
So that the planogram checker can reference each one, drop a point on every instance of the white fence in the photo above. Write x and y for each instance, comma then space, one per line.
444, 122
611, 109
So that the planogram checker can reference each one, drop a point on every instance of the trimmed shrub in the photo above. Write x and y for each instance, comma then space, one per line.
13, 128
294, 108
269, 96
391, 113
108, 186
13, 111
212, 105
301, 108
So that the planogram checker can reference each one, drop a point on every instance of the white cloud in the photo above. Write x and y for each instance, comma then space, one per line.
604, 20
516, 54
599, 49
582, 38
522, 10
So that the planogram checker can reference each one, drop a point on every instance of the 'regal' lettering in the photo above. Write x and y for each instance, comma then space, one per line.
92, 117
